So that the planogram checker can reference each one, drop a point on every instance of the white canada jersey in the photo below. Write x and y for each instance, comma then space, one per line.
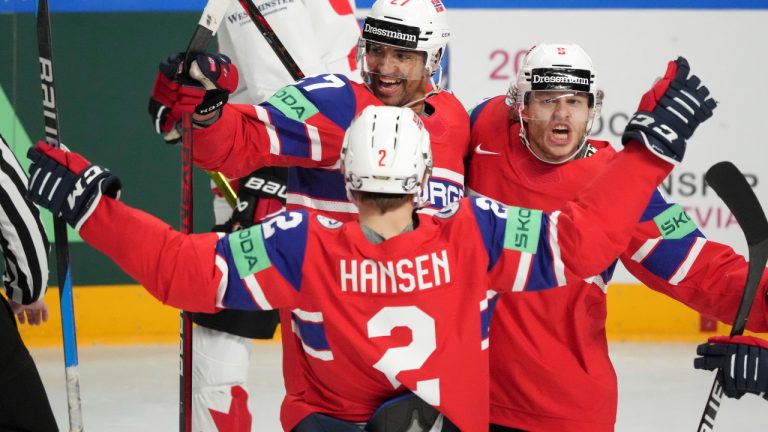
315, 49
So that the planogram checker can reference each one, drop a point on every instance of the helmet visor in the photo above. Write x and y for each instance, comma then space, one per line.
553, 105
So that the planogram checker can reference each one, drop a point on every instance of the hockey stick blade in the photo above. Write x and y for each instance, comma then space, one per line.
731, 186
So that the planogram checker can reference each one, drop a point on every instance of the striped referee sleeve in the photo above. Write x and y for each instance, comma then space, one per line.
22, 237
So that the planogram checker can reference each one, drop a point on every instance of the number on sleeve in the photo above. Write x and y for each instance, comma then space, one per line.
332, 81
283, 221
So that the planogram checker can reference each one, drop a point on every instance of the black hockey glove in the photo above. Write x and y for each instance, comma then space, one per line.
264, 183
67, 184
670, 112
175, 93
741, 363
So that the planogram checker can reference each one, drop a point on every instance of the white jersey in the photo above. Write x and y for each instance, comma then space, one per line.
326, 43
320, 35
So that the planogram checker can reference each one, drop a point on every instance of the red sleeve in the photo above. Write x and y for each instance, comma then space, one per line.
593, 230
302, 125
177, 269
713, 283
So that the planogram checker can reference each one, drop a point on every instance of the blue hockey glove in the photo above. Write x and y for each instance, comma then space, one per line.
670, 112
67, 184
741, 363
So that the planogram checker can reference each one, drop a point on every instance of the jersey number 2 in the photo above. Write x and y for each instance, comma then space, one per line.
409, 357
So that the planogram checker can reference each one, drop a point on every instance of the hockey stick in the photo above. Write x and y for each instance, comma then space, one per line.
731, 186
213, 15
274, 42
63, 267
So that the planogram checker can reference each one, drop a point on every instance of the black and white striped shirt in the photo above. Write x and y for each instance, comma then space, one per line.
22, 237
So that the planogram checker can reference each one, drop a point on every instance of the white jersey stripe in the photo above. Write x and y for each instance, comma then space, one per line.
523, 268
316, 147
322, 355
274, 141
315, 317
599, 281
447, 174
645, 249
322, 205
256, 292
557, 260
682, 271
221, 264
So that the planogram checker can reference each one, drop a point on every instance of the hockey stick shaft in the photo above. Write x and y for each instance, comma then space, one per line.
63, 267
274, 42
729, 183
210, 20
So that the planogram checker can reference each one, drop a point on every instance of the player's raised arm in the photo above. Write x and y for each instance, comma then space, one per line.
195, 272
302, 124
587, 235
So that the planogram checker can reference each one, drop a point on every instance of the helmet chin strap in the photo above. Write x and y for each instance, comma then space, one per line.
524, 138
435, 87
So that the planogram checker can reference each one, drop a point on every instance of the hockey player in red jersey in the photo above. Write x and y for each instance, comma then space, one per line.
392, 303
303, 124
557, 375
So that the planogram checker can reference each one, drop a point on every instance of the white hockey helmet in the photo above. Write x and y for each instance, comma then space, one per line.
386, 150
420, 25
553, 68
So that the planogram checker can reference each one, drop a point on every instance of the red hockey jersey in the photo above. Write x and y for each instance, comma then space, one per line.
411, 313
302, 126
556, 375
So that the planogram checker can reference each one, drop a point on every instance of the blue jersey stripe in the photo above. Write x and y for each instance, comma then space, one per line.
655, 206
668, 255
491, 229
607, 274
542, 274
317, 183
312, 334
287, 246
237, 295
485, 317
292, 133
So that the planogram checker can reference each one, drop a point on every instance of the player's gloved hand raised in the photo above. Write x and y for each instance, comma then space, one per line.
670, 112
741, 363
212, 77
67, 184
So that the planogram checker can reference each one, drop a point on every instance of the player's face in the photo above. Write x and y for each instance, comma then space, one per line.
397, 76
556, 122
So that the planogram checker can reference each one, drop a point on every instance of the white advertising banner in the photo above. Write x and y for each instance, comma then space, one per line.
630, 49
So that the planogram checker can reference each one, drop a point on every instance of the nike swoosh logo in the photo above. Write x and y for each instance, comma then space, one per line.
479, 150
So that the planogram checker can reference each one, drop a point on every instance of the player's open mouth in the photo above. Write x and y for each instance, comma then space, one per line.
388, 86
560, 134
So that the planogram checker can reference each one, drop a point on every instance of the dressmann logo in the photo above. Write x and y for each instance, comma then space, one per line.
560, 79
389, 33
